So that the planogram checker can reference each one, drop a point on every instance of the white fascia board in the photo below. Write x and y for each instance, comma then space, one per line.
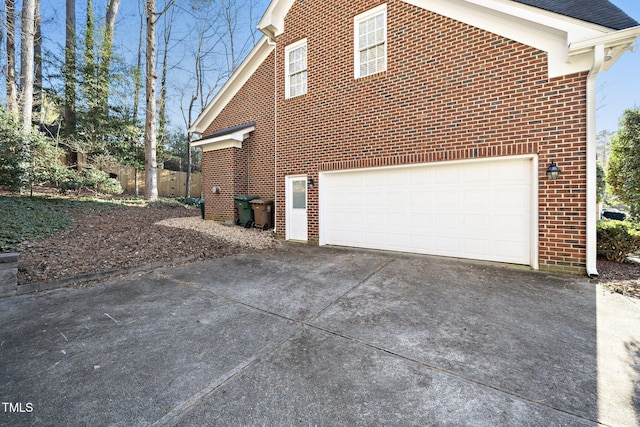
254, 59
615, 45
233, 139
272, 22
610, 40
547, 31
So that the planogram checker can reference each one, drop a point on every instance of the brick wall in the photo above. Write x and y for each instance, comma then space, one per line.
451, 91
249, 170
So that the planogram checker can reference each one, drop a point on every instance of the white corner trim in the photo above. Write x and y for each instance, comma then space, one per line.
224, 141
254, 59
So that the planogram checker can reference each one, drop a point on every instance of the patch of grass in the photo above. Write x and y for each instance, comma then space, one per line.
28, 218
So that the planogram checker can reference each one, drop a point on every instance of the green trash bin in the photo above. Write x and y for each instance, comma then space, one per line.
245, 213
201, 203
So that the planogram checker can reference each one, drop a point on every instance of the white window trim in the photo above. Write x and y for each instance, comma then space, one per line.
287, 80
356, 51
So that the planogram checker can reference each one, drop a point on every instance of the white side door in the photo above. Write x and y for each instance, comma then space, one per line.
296, 207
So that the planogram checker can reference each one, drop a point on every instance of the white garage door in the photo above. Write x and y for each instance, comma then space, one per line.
475, 209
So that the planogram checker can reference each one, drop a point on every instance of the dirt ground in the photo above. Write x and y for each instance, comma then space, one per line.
113, 239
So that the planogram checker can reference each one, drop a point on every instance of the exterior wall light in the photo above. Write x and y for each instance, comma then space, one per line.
310, 183
553, 171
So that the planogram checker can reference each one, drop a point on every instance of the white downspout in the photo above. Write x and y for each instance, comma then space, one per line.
272, 42
598, 60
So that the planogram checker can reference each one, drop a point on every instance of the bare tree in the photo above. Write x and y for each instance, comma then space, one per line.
150, 143
150, 134
137, 83
12, 90
70, 67
37, 62
26, 62
107, 51
168, 27
216, 28
208, 40
229, 15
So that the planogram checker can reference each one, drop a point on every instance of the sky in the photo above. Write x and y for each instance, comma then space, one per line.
619, 87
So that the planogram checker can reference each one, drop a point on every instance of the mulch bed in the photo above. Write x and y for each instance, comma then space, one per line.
102, 240
622, 278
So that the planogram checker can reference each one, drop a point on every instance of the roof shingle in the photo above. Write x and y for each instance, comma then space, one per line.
600, 12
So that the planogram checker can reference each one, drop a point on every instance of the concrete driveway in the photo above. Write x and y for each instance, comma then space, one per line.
323, 336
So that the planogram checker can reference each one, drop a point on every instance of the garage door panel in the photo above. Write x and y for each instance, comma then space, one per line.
459, 210
477, 175
477, 248
474, 198
476, 225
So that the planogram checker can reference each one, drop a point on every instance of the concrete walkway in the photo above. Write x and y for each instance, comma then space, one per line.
323, 336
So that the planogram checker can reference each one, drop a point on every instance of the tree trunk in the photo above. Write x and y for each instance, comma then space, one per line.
70, 68
12, 90
136, 181
150, 143
189, 161
26, 63
37, 63
26, 88
162, 119
138, 74
107, 50
90, 84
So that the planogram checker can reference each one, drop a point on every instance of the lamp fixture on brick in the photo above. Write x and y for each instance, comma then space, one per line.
553, 171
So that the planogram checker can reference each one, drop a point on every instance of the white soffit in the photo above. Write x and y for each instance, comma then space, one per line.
230, 140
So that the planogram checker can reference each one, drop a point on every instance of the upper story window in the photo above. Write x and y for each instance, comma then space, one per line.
370, 41
295, 64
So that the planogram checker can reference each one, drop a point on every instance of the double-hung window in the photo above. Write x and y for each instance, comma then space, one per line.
295, 64
370, 41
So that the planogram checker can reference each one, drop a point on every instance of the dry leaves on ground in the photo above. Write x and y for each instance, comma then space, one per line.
110, 239
622, 278
102, 240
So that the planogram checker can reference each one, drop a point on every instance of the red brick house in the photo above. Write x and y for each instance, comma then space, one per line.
423, 126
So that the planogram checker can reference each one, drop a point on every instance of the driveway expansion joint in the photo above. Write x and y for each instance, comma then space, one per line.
350, 290
176, 414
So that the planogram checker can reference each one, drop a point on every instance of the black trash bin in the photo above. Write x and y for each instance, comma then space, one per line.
245, 213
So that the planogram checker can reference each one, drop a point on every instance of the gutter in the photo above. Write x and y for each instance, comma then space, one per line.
598, 61
606, 50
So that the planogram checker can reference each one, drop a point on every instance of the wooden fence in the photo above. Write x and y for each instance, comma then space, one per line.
170, 183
